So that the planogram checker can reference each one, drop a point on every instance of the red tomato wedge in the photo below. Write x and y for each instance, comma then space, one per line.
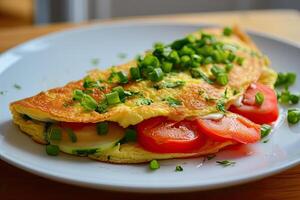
162, 135
74, 125
230, 127
265, 113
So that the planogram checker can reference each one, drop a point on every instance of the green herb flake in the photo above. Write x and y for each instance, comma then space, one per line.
18, 87
293, 116
143, 101
265, 130
221, 106
130, 135
259, 98
226, 163
227, 31
211, 156
72, 135
102, 128
173, 102
55, 133
196, 73
52, 150
285, 79
95, 61
169, 84
154, 165
178, 168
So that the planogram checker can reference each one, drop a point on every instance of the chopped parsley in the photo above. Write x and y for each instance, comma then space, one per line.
178, 168
72, 135
226, 163
173, 102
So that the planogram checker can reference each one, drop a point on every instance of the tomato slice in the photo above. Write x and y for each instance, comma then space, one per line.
230, 127
162, 135
74, 125
265, 113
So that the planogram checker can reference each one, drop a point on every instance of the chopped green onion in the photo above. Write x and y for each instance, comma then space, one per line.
156, 75
130, 135
122, 77
121, 92
216, 70
167, 67
150, 60
293, 116
178, 44
78, 95
54, 133
265, 130
154, 165
174, 57
186, 51
178, 168
71, 135
226, 163
222, 79
208, 60
102, 128
52, 150
227, 31
88, 102
228, 67
113, 98
102, 107
240, 60
259, 98
185, 61
135, 73
285, 79
286, 97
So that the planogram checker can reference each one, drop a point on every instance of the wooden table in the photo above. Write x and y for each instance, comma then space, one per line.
18, 184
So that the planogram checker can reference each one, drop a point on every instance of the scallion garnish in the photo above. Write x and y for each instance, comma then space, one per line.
122, 77
178, 168
259, 98
112, 98
102, 128
71, 134
156, 75
121, 92
52, 150
154, 165
135, 73
227, 31
265, 130
54, 133
196, 73
285, 79
130, 135
293, 116
226, 163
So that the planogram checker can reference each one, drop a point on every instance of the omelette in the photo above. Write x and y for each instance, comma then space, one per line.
107, 115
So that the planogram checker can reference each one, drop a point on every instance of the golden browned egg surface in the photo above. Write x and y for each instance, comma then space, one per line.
57, 104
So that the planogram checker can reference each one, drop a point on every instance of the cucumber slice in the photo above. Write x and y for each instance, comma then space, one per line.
88, 141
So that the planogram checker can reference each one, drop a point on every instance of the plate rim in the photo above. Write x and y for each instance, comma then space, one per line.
136, 187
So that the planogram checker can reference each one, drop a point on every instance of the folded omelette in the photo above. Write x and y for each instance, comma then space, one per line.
179, 81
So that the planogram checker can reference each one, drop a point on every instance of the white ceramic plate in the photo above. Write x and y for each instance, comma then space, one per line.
56, 59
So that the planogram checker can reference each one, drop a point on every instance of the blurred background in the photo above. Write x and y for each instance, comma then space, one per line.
29, 12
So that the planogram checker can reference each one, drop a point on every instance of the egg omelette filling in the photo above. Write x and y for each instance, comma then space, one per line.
198, 76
